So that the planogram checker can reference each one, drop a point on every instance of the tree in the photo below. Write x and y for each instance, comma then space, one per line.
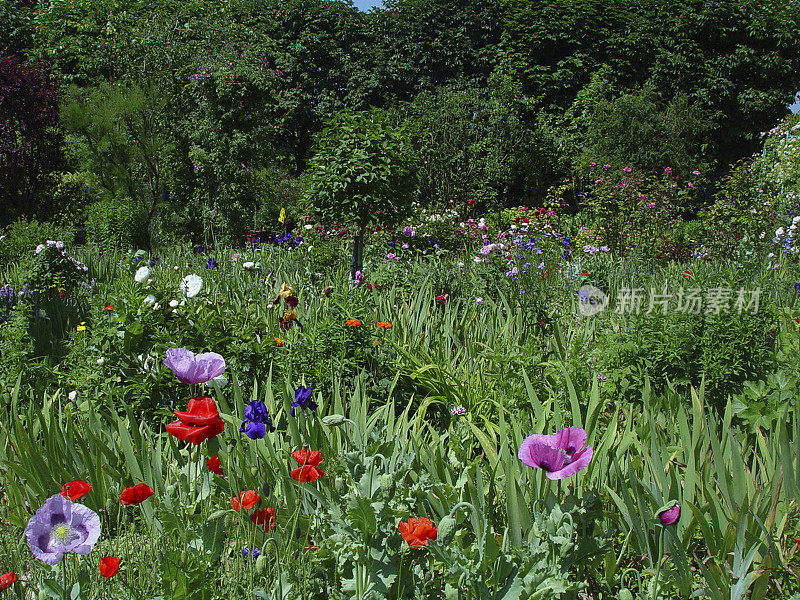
30, 139
362, 173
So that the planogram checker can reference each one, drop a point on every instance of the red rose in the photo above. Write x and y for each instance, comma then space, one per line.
214, 465
7, 580
309, 462
109, 566
75, 489
200, 421
265, 517
136, 494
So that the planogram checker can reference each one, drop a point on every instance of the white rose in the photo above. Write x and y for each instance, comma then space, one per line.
249, 265
142, 274
173, 304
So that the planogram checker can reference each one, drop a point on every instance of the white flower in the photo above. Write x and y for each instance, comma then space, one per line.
39, 248
308, 226
101, 361
771, 255
72, 395
176, 268
796, 220
150, 300
310, 248
478, 260
173, 304
156, 306
779, 232
142, 274
460, 264
249, 265
191, 285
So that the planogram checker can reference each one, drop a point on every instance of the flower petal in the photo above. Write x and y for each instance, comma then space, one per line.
579, 462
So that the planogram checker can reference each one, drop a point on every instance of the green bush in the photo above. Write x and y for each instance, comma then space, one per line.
117, 222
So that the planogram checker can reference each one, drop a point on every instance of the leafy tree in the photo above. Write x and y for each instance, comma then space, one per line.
30, 140
16, 25
472, 142
123, 143
362, 173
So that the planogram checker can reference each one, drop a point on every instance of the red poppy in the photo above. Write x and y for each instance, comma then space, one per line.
62, 294
265, 517
75, 489
309, 462
247, 499
797, 541
109, 308
470, 202
687, 274
214, 465
200, 421
418, 531
136, 494
7, 580
585, 272
109, 566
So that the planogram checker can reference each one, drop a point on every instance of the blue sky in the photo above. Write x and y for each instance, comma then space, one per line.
366, 4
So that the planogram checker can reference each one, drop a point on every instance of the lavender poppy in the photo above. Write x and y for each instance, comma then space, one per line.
670, 515
256, 420
189, 368
560, 455
303, 399
61, 526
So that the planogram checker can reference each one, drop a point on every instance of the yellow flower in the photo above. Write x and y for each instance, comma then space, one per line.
82, 326
376, 343
286, 291
289, 315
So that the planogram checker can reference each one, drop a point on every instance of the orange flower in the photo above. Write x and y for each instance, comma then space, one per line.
279, 342
353, 323
384, 325
247, 499
109, 308
417, 531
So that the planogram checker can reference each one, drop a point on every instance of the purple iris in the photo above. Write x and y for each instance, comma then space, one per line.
303, 399
560, 455
256, 420
61, 526
211, 264
191, 368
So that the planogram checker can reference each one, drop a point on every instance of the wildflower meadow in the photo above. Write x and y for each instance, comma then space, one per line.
427, 302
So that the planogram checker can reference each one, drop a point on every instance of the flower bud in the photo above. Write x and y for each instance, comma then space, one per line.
333, 420
447, 530
387, 485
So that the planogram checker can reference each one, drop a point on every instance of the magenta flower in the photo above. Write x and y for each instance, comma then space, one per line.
194, 369
560, 455
670, 515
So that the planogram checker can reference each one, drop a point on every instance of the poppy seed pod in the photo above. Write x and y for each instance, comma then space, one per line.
447, 529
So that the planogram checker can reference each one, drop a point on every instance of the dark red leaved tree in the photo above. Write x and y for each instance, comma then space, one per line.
30, 137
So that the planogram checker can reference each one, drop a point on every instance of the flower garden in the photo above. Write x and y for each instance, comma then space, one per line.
425, 303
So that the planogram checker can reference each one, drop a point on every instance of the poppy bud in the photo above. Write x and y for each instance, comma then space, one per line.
447, 529
261, 565
333, 420
670, 514
387, 485
625, 594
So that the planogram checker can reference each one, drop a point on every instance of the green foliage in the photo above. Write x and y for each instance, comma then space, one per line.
362, 172
20, 238
115, 222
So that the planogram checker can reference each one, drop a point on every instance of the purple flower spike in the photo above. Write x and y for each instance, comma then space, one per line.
189, 368
61, 526
560, 455
670, 516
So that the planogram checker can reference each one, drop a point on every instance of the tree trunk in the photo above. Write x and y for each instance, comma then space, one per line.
357, 263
